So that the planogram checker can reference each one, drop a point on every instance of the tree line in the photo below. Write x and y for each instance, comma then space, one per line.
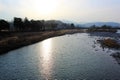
103, 28
26, 25
20, 24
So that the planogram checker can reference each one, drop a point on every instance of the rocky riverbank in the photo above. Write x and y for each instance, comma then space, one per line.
110, 41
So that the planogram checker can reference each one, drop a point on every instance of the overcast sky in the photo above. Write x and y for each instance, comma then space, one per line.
71, 10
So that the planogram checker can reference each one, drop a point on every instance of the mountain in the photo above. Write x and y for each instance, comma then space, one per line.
99, 24
113, 24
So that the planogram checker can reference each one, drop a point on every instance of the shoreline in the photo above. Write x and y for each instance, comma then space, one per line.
21, 39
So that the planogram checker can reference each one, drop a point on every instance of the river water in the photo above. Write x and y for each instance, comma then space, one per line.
118, 31
67, 57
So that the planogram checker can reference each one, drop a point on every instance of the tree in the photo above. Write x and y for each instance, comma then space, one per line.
93, 26
72, 26
4, 25
35, 26
18, 24
106, 27
53, 26
43, 25
27, 25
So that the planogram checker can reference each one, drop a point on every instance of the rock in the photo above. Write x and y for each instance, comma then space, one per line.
117, 54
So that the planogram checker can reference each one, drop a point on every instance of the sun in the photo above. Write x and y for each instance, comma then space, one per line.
45, 6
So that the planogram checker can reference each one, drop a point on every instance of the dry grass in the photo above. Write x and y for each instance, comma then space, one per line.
102, 30
110, 43
17, 40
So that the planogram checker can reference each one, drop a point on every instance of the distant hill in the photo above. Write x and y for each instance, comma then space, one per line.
99, 24
113, 24
53, 21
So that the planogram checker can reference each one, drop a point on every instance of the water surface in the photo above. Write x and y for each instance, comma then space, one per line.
118, 31
74, 56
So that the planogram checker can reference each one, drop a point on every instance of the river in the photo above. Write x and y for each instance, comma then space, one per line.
67, 57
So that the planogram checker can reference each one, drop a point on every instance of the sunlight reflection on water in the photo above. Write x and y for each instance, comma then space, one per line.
47, 62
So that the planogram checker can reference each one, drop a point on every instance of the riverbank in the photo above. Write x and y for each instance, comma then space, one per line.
14, 40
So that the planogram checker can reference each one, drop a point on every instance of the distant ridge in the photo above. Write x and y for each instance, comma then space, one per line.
113, 24
89, 24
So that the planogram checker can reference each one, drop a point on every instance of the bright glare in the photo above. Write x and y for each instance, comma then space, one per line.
45, 7
47, 62
46, 48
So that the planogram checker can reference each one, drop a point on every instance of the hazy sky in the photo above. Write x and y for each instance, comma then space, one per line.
72, 10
